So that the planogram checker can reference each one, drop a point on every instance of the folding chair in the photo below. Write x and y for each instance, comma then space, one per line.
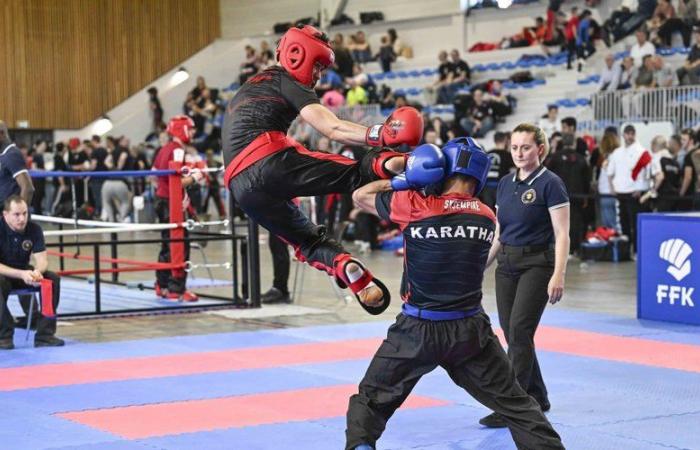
33, 291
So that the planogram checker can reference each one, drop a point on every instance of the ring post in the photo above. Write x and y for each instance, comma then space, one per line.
177, 248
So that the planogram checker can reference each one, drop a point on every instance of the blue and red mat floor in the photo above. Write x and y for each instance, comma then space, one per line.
615, 383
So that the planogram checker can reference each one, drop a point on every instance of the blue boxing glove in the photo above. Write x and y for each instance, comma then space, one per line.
425, 166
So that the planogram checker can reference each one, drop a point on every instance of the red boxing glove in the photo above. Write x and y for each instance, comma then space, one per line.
403, 126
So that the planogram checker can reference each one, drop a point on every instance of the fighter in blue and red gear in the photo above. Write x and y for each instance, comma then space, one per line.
447, 238
265, 169
172, 284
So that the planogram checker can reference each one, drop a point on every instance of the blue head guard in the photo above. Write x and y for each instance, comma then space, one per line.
465, 156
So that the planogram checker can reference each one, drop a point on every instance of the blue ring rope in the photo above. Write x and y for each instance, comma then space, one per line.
112, 174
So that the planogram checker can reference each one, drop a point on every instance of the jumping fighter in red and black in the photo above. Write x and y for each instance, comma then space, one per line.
265, 169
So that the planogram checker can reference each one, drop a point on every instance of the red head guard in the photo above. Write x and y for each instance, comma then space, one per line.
300, 49
179, 127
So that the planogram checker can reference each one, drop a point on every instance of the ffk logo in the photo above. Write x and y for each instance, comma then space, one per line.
677, 253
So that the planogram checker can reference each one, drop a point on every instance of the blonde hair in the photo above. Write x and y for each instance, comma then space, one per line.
538, 135
609, 143
659, 141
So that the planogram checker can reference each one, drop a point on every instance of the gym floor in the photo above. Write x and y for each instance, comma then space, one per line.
280, 377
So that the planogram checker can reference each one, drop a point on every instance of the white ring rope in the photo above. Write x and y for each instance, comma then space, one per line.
117, 227
82, 231
189, 266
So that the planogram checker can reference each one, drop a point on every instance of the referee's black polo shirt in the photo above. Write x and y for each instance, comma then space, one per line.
11, 165
523, 207
16, 248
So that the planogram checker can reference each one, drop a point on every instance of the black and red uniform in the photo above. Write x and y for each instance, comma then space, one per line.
172, 151
266, 169
447, 240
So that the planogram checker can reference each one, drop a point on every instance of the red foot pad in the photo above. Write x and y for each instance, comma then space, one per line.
340, 263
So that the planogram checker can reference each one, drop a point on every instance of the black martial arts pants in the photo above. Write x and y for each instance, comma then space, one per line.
472, 356
265, 191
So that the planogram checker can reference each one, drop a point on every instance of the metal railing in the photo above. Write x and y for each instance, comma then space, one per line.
678, 105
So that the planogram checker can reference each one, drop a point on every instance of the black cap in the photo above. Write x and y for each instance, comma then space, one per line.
629, 129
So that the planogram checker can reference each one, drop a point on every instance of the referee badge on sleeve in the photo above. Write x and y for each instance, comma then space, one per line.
528, 196
27, 245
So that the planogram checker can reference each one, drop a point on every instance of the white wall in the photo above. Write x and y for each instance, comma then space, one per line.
241, 18
402, 9
218, 63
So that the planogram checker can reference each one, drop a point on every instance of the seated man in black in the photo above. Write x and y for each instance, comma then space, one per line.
19, 239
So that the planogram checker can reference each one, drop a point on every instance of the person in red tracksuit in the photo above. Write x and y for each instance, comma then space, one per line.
181, 129
265, 169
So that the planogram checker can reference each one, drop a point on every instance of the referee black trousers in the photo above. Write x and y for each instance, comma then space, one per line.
472, 356
521, 296
45, 326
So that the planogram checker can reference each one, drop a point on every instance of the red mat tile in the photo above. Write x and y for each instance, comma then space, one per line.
137, 422
46, 375
581, 343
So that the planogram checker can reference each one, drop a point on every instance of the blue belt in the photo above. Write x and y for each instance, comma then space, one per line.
428, 314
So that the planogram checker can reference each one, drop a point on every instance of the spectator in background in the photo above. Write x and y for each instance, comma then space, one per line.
691, 169
196, 91
642, 47
79, 161
480, 119
460, 69
677, 25
627, 73
333, 98
568, 128
397, 44
645, 74
386, 54
97, 164
249, 66
213, 186
361, 51
664, 75
329, 80
343, 58
155, 108
356, 95
570, 32
628, 170
266, 57
666, 174
549, 123
501, 165
607, 203
688, 13
584, 39
610, 75
573, 169
445, 74
61, 206
690, 72
687, 145
39, 162
115, 191
501, 103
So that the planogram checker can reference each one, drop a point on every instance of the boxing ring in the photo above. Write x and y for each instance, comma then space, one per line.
94, 246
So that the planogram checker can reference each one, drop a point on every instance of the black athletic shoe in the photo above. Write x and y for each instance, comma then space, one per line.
274, 295
493, 420
6, 344
49, 341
